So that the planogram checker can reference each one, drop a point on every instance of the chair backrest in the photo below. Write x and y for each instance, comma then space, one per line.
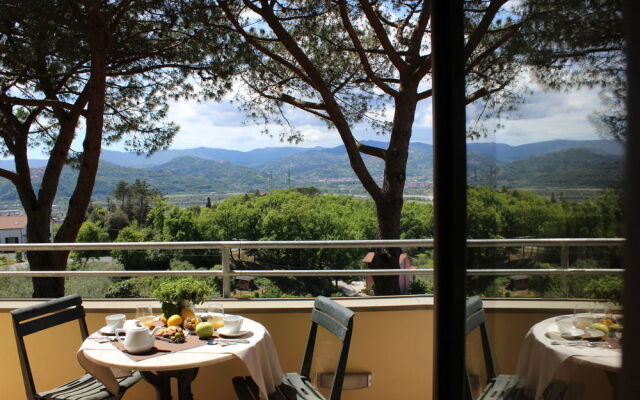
338, 320
475, 318
32, 319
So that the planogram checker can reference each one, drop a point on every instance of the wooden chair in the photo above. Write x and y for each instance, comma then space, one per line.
336, 319
497, 387
32, 319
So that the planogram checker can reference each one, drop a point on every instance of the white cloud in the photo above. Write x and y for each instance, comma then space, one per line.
548, 115
545, 115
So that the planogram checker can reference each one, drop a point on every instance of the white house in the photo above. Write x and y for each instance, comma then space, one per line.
13, 229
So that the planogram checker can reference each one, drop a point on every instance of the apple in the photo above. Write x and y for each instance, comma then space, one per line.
204, 330
600, 327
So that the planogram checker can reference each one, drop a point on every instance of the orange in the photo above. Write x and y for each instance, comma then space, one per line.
174, 320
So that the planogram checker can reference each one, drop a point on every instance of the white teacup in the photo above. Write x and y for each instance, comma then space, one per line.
114, 321
131, 323
232, 324
566, 326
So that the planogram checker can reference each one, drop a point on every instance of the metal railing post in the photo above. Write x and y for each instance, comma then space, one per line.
564, 263
564, 256
226, 268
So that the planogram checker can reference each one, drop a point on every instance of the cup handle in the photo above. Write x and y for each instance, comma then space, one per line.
120, 338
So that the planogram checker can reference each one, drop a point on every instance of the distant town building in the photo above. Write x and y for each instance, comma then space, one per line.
405, 263
245, 283
11, 212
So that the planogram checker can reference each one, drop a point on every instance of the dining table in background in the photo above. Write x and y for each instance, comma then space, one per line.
106, 362
589, 369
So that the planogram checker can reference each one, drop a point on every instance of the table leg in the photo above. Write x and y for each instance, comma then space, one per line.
160, 381
185, 377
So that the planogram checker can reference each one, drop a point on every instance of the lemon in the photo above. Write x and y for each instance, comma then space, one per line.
174, 320
186, 313
163, 319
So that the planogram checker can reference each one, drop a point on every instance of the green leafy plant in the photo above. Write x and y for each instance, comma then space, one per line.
177, 294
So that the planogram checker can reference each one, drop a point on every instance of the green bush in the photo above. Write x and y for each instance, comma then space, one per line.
123, 289
606, 288
268, 289
139, 259
420, 287
90, 232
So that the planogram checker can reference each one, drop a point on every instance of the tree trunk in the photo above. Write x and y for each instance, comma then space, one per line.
38, 226
39, 221
389, 204
388, 211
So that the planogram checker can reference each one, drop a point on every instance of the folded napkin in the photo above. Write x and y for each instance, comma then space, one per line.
107, 376
260, 357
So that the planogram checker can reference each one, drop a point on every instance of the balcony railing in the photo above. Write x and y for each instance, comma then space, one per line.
227, 272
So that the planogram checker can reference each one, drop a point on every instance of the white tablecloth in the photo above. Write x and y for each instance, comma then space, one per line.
540, 362
106, 362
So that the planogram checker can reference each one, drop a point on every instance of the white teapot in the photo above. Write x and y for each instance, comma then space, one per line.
137, 339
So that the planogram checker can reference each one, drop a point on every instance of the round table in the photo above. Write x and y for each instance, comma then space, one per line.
546, 357
182, 365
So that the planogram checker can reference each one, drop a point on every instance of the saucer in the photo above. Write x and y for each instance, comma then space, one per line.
222, 333
594, 334
574, 333
105, 330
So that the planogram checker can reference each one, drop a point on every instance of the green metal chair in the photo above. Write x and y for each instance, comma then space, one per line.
497, 387
508, 387
32, 319
336, 319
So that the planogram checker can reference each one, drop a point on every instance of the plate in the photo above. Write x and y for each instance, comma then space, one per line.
573, 334
231, 335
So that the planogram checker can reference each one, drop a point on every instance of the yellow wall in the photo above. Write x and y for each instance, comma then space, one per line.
397, 361
395, 344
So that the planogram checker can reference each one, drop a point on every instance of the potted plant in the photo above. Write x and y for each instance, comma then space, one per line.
178, 296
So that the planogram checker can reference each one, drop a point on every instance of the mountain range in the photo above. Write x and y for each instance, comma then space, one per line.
558, 163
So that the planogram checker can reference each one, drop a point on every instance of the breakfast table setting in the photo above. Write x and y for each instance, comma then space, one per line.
162, 348
581, 351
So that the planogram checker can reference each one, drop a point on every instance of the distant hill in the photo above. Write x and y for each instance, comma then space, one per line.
504, 153
226, 178
257, 158
218, 173
233, 156
573, 168
560, 163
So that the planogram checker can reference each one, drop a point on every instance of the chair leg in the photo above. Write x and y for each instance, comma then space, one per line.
555, 391
246, 388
